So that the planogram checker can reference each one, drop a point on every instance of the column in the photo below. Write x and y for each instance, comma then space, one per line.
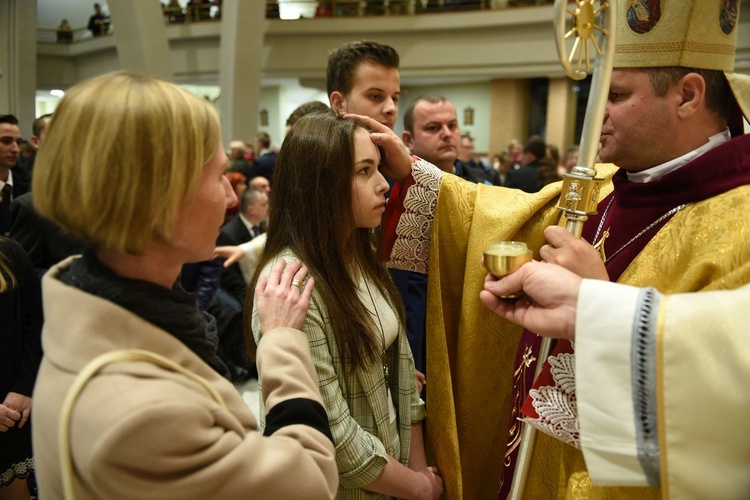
561, 113
509, 112
142, 45
242, 58
18, 61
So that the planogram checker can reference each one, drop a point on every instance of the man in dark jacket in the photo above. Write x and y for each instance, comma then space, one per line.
13, 180
265, 162
526, 178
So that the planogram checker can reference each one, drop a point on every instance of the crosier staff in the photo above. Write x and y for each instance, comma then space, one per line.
580, 190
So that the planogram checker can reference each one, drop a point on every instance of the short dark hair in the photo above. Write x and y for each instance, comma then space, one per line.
303, 109
264, 139
39, 124
343, 62
409, 114
536, 146
10, 119
717, 89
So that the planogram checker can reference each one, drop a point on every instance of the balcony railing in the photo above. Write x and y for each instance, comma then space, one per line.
275, 9
63, 36
359, 8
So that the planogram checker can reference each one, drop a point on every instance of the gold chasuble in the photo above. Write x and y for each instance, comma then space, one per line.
691, 253
699, 242
470, 350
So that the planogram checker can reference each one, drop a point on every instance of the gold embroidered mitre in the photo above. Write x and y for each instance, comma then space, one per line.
698, 34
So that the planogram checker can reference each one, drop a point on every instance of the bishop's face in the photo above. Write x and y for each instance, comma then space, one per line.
638, 125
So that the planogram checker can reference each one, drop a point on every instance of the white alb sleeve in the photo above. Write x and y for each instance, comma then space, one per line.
604, 329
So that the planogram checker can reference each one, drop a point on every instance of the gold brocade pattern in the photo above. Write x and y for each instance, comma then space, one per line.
560, 472
706, 246
688, 34
470, 350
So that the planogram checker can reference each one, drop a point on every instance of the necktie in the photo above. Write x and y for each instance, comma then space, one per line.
7, 190
256, 231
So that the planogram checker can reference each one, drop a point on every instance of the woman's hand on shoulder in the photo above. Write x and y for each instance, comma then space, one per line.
283, 297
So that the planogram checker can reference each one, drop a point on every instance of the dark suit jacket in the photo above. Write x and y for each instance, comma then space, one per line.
234, 232
21, 185
21, 321
476, 174
45, 242
525, 178
264, 165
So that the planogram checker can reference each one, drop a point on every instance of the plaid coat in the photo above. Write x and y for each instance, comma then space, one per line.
357, 404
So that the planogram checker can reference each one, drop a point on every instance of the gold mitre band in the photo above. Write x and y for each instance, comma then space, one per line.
689, 33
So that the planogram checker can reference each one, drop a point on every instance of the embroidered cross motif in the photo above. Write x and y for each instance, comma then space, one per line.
527, 357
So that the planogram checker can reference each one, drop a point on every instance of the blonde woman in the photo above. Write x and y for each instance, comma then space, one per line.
134, 167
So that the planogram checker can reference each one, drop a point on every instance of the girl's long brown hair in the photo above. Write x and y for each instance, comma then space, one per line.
311, 213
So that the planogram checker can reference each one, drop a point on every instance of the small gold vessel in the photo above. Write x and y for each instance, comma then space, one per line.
505, 257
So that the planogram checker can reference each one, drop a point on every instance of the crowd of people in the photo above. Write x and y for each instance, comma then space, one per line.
307, 266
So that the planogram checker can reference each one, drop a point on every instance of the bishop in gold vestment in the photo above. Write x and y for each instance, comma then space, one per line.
676, 216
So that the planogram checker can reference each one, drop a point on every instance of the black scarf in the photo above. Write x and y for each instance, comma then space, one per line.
174, 311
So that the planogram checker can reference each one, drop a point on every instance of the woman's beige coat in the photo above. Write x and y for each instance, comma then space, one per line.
139, 431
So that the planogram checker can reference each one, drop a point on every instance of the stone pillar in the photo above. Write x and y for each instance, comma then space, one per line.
509, 112
18, 61
561, 113
242, 57
142, 45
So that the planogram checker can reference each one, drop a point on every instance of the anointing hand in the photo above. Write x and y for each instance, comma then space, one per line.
396, 161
